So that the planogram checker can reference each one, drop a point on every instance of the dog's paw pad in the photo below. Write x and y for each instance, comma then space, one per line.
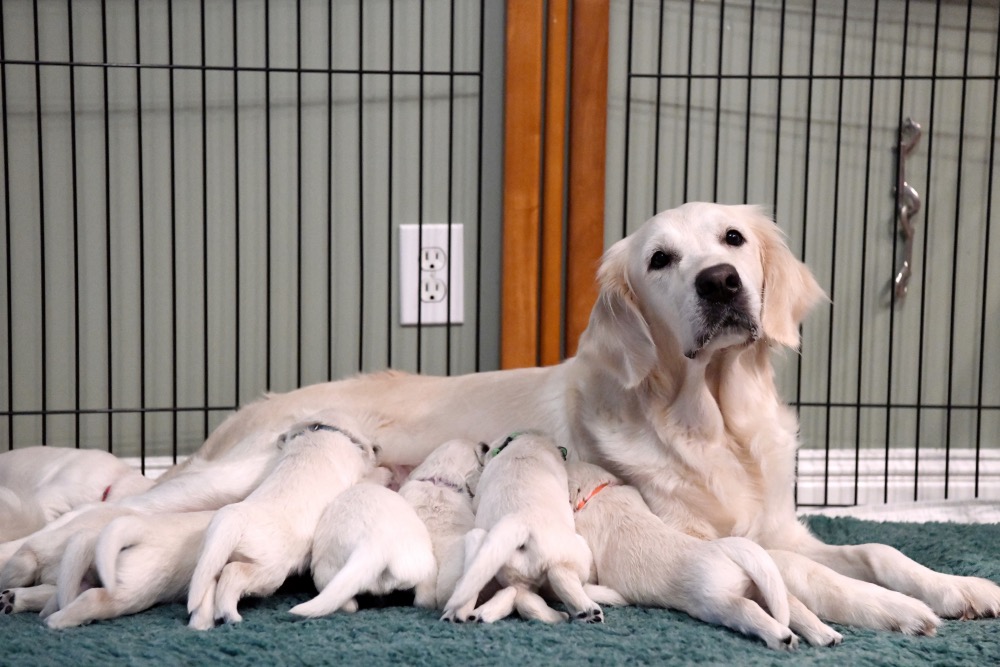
7, 602
590, 616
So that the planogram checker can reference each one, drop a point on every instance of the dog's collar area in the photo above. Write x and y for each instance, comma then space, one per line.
319, 426
583, 501
509, 439
447, 484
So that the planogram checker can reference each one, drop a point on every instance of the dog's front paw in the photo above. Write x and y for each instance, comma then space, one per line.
965, 598
7, 602
594, 615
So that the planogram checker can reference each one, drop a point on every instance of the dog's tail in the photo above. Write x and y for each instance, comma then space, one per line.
358, 574
223, 535
758, 565
120, 534
76, 563
497, 547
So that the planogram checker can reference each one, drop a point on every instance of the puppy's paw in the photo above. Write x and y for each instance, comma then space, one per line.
7, 602
594, 615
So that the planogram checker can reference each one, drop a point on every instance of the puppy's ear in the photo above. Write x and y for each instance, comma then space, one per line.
790, 290
618, 333
482, 449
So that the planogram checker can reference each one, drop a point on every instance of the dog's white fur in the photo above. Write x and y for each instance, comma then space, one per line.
369, 540
28, 579
694, 422
40, 484
651, 564
140, 561
440, 491
524, 536
251, 547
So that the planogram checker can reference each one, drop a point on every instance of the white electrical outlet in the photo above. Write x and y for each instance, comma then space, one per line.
430, 274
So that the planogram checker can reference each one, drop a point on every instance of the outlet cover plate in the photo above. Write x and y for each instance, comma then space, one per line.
431, 264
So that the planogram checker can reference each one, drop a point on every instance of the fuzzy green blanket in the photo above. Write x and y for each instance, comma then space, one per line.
408, 636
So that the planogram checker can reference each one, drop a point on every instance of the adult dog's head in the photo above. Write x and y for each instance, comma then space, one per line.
696, 280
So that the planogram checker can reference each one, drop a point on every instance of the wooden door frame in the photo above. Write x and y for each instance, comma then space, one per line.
554, 156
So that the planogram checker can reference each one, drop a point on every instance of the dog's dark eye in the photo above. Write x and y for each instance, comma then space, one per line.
661, 260
734, 238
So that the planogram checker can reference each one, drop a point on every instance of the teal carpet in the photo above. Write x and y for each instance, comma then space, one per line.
408, 636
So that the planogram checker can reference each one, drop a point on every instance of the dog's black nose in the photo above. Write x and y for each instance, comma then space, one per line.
719, 283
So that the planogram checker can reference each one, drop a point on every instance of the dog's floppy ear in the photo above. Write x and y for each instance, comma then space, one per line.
618, 333
790, 290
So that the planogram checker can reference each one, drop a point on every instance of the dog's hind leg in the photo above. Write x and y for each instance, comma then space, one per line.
501, 605
496, 548
567, 586
531, 606
749, 618
31, 598
21, 570
425, 592
238, 580
93, 604
605, 595
808, 625
203, 614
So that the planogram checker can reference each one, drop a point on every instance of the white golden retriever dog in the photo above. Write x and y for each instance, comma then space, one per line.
651, 564
672, 390
252, 546
369, 540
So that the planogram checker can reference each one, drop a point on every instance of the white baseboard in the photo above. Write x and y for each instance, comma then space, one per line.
833, 483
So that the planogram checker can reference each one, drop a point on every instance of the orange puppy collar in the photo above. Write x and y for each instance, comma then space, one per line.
584, 501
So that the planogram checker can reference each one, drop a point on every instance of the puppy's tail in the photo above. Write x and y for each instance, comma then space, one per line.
758, 565
76, 563
221, 538
358, 575
120, 534
498, 546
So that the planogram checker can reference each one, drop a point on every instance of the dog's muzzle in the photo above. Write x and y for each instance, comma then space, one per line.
722, 306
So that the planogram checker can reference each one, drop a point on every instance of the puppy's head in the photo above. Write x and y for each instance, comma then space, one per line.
525, 442
324, 427
702, 277
459, 461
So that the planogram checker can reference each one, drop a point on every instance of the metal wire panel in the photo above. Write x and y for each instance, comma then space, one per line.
797, 105
201, 201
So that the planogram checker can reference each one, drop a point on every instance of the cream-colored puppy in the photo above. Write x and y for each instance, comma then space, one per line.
524, 537
28, 579
440, 490
251, 547
39, 484
718, 581
369, 540
140, 561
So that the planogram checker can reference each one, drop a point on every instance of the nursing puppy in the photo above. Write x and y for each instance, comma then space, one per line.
39, 484
140, 561
28, 579
524, 537
440, 490
369, 540
650, 564
251, 547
